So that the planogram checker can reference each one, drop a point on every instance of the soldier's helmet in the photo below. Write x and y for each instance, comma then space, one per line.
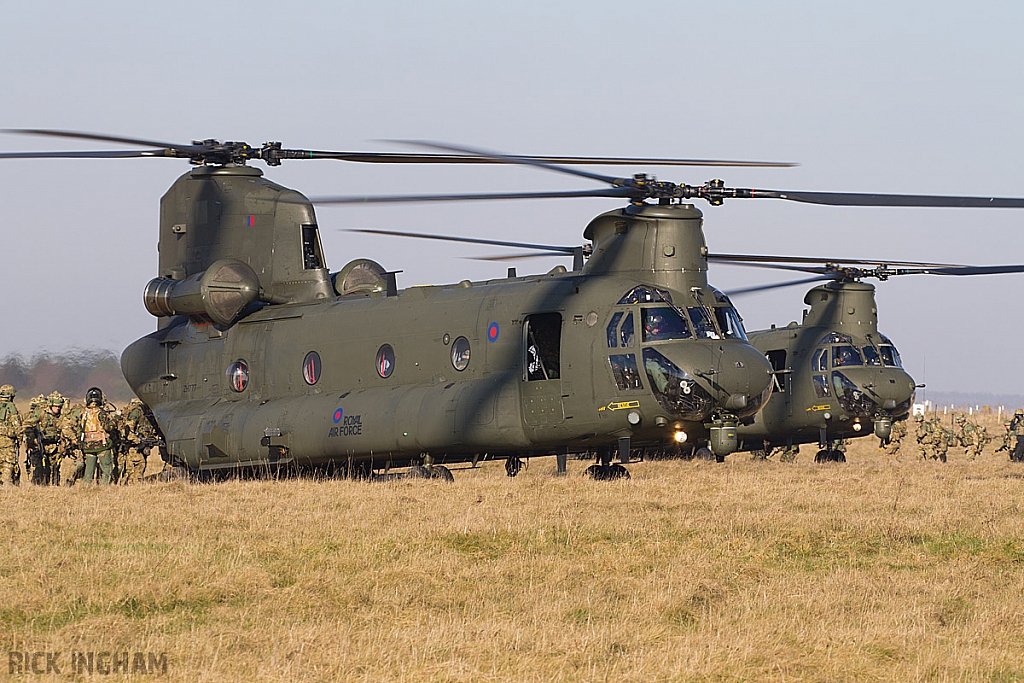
1018, 412
55, 399
135, 401
919, 418
7, 391
94, 396
961, 418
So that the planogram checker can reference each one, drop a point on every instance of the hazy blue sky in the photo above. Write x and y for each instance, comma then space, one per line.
868, 96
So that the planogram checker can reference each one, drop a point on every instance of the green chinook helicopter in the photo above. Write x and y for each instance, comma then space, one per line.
836, 376
263, 357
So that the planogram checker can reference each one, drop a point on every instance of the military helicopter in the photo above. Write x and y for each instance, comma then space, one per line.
264, 358
835, 373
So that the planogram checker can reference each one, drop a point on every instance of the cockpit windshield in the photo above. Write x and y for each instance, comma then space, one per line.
845, 355
702, 323
890, 356
871, 356
663, 322
730, 323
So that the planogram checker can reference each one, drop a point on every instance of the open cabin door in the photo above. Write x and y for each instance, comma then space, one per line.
541, 380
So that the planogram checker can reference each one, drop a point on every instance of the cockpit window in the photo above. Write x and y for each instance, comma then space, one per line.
890, 356
730, 323
845, 355
627, 330
836, 338
613, 328
644, 294
871, 356
702, 324
663, 323
819, 363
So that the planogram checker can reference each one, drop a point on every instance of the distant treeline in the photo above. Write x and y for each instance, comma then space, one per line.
71, 373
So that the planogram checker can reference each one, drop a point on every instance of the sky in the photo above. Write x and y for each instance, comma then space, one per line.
906, 97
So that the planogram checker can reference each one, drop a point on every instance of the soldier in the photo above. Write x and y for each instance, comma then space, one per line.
73, 462
33, 461
972, 436
139, 435
940, 440
922, 434
43, 431
10, 434
896, 434
97, 428
1017, 429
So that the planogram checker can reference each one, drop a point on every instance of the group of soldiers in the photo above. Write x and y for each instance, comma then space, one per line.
59, 443
934, 439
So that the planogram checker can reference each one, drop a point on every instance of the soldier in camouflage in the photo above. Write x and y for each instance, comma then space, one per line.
139, 436
896, 434
1017, 431
73, 463
10, 435
972, 436
932, 438
43, 433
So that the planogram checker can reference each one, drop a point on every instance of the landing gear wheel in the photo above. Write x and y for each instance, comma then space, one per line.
513, 466
829, 456
418, 472
607, 472
442, 473
704, 453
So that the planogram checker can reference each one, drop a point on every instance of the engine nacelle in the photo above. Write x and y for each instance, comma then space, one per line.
219, 294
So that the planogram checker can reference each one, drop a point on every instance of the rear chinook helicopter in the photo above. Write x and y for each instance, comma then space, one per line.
836, 376
263, 357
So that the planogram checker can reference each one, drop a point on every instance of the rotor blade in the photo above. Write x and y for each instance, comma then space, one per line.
774, 266
864, 199
93, 136
468, 240
105, 154
512, 159
377, 199
398, 158
516, 257
964, 270
777, 285
753, 259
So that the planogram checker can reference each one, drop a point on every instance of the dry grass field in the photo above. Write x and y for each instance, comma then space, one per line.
745, 570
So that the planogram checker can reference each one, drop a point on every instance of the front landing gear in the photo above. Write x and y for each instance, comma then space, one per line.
606, 471
513, 466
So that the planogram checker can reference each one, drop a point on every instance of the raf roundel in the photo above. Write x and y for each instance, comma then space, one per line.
492, 332
338, 415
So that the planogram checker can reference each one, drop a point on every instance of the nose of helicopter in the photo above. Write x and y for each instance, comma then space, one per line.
864, 390
736, 375
743, 380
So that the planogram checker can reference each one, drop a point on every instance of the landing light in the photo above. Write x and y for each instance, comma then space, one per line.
680, 437
857, 426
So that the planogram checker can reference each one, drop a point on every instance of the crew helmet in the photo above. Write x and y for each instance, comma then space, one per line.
94, 395
56, 399
7, 391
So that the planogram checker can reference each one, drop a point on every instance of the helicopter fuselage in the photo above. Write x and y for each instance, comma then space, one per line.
836, 375
263, 356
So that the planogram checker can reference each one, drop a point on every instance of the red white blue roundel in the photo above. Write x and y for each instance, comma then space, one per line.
311, 368
492, 332
338, 414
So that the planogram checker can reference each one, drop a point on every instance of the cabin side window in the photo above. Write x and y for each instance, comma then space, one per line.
312, 252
